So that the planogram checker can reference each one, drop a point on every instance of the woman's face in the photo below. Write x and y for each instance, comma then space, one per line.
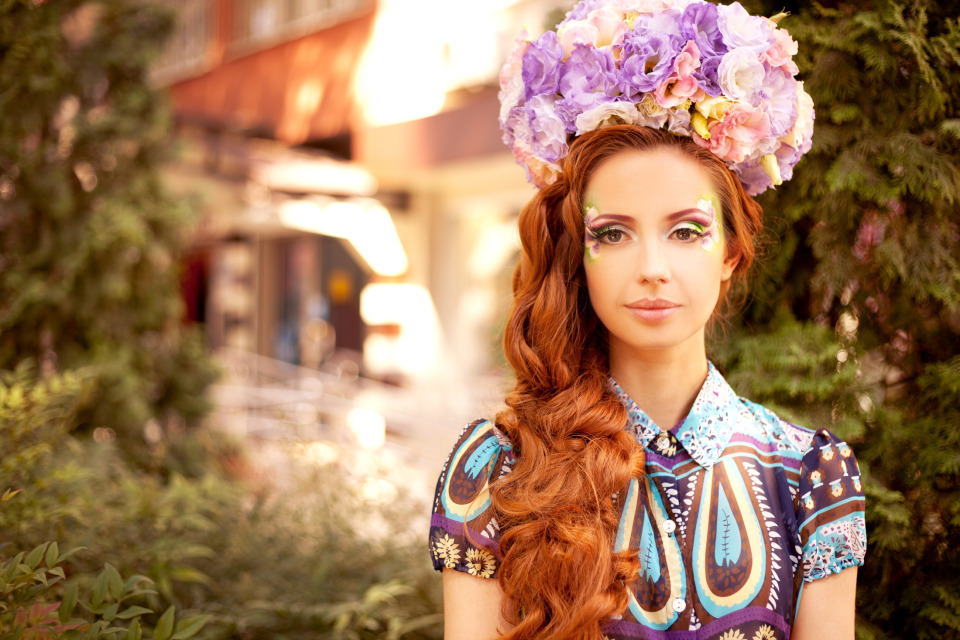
654, 251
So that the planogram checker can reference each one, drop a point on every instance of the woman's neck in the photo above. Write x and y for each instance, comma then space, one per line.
664, 384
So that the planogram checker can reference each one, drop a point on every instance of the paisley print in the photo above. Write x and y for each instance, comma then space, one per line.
470, 471
730, 552
737, 509
662, 578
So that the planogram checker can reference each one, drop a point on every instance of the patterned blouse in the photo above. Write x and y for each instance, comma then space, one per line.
737, 511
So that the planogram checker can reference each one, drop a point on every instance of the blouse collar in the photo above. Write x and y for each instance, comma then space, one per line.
706, 430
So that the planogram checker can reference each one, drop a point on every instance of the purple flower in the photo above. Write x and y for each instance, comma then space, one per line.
541, 65
752, 176
580, 11
780, 92
587, 79
699, 23
708, 75
646, 59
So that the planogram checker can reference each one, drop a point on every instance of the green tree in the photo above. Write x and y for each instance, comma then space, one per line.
854, 321
89, 238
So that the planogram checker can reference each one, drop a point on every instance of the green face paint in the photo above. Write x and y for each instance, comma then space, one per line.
591, 240
710, 234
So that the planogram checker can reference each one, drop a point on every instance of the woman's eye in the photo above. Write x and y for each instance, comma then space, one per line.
686, 234
613, 235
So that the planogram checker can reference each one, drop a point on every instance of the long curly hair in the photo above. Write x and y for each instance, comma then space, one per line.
559, 575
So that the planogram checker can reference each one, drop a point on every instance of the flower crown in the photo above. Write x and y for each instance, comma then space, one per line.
710, 72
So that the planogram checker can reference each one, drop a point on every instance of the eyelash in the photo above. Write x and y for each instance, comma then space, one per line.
602, 233
696, 230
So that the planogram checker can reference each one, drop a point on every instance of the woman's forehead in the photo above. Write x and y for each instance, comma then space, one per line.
659, 181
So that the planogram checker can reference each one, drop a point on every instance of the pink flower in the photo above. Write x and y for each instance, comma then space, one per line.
738, 134
511, 77
610, 28
680, 85
576, 32
781, 52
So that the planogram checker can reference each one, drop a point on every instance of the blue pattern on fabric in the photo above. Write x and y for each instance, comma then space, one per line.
747, 504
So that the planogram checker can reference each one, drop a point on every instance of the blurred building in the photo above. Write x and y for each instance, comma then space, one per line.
355, 190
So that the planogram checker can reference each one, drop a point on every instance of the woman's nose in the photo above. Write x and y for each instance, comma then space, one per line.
652, 264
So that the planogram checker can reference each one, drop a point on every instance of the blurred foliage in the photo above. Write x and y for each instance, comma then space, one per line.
854, 317
110, 611
89, 238
313, 557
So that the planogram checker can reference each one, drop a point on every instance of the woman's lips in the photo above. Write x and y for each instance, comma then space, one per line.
653, 310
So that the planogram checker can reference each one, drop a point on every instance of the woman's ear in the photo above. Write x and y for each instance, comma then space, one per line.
730, 262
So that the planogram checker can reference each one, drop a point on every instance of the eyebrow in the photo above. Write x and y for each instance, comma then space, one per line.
615, 217
679, 214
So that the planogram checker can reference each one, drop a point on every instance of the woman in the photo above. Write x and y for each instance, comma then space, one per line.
626, 491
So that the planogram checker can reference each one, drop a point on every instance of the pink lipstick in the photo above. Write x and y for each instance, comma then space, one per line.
652, 310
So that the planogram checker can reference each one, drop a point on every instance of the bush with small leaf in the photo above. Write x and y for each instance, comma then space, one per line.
37, 601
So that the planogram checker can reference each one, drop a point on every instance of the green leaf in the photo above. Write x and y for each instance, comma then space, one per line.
164, 628
189, 574
68, 602
114, 582
132, 612
67, 554
33, 558
188, 627
111, 612
134, 632
50, 558
99, 589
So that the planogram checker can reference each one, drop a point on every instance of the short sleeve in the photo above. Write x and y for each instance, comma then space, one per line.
830, 510
464, 534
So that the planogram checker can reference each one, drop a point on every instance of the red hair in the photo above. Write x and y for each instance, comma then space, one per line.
559, 574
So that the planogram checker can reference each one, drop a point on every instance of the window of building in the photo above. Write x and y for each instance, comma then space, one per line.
259, 22
187, 48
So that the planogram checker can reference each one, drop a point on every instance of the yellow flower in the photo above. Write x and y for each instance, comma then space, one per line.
480, 563
714, 108
699, 124
733, 634
446, 549
769, 163
765, 632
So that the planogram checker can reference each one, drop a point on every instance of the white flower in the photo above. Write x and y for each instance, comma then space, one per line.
740, 29
803, 127
605, 115
678, 121
741, 75
650, 113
